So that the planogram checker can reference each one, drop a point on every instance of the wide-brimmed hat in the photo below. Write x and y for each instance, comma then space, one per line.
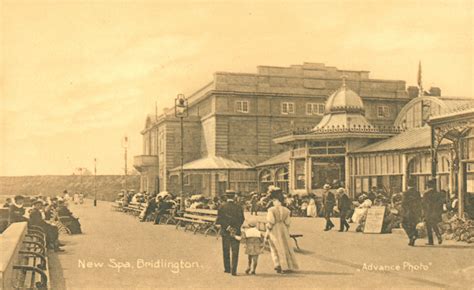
38, 201
341, 190
230, 193
251, 221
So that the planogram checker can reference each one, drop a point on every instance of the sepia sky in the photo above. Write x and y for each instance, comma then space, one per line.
76, 76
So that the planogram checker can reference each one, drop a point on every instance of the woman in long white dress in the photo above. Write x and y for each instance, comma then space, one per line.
311, 209
278, 224
361, 210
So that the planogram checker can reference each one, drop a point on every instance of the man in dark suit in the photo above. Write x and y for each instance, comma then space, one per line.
52, 234
411, 211
16, 211
329, 201
432, 210
344, 206
150, 207
163, 208
230, 217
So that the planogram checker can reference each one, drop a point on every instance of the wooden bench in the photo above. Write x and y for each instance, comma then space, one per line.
117, 206
32, 264
134, 208
169, 218
262, 227
199, 220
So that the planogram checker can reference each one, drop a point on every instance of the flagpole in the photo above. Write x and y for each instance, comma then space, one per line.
420, 82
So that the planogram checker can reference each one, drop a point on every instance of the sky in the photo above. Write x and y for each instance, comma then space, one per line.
77, 76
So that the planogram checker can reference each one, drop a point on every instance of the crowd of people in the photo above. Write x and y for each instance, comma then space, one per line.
46, 213
406, 209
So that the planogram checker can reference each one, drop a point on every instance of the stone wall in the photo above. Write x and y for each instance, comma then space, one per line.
49, 185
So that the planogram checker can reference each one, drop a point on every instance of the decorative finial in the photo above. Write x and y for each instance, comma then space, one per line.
344, 77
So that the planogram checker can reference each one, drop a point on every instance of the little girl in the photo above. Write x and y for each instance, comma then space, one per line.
253, 242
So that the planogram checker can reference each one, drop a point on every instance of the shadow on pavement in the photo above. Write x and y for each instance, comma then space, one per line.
303, 252
56, 274
465, 247
298, 274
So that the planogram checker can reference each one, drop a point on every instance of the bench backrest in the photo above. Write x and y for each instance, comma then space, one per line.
200, 217
135, 205
211, 212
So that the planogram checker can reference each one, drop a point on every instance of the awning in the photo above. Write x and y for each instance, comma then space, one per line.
410, 139
213, 163
281, 158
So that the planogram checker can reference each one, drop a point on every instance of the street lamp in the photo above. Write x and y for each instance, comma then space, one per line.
80, 178
181, 112
95, 182
125, 146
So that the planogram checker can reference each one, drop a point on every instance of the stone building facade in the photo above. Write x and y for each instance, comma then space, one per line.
234, 120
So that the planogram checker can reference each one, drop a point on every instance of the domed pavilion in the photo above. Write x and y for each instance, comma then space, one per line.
318, 155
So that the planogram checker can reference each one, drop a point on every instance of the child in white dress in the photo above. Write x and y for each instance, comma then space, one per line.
252, 239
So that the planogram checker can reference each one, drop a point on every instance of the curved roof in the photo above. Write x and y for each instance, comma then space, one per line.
344, 100
435, 106
344, 109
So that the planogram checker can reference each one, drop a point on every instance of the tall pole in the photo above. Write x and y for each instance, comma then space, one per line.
126, 171
182, 165
434, 156
181, 111
95, 182
125, 145
80, 178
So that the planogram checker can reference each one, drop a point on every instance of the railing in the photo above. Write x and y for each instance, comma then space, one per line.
341, 129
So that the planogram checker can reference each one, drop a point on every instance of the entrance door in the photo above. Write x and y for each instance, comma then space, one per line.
222, 187
326, 173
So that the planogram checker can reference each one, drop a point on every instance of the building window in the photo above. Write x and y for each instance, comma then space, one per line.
300, 177
242, 106
287, 108
382, 112
187, 180
315, 109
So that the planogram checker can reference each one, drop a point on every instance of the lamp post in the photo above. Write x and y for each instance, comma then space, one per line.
125, 146
80, 179
95, 182
181, 111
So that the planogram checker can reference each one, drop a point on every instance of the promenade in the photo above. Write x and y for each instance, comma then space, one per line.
117, 251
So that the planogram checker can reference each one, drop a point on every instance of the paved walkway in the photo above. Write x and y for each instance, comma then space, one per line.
112, 252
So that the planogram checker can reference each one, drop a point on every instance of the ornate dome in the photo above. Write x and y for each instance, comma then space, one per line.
344, 111
344, 100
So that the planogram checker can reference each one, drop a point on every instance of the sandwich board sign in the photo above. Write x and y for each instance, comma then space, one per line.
374, 220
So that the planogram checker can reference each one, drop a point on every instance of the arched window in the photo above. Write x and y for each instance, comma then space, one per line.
266, 179
281, 178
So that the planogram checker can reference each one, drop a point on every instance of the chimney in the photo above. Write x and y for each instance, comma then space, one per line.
413, 91
435, 91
